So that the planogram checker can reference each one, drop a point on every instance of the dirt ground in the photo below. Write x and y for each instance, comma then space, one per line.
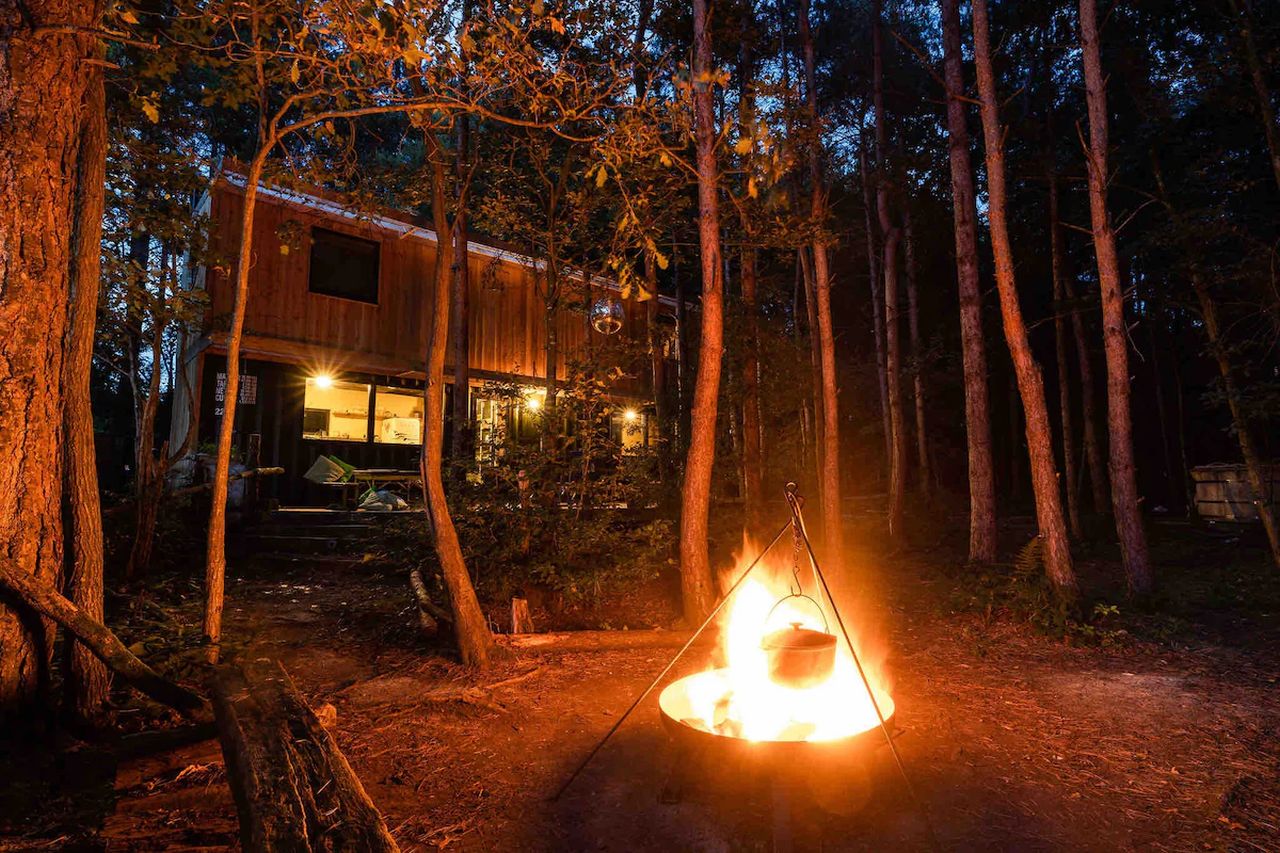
1013, 741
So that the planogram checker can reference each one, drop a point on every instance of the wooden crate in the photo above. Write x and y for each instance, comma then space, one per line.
1223, 491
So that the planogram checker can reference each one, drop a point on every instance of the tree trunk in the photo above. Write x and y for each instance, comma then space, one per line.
1124, 485
470, 628
1098, 484
216, 553
892, 235
1226, 370
752, 461
149, 468
877, 306
1064, 372
87, 681
815, 362
918, 356
1044, 479
657, 372
977, 407
697, 585
1248, 450
461, 450
1257, 76
42, 104
832, 526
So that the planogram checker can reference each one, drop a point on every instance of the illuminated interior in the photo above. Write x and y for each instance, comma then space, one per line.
627, 428
335, 410
397, 417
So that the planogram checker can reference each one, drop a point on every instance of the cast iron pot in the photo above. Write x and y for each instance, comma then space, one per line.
799, 657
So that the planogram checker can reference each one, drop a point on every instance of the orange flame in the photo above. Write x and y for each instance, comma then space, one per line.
740, 700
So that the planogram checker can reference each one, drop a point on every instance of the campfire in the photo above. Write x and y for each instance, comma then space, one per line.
786, 676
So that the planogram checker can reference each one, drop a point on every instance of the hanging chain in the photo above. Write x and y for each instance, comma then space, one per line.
797, 537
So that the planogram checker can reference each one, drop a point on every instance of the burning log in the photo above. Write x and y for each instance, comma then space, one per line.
293, 787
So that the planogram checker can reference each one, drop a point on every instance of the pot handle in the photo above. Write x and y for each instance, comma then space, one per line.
826, 627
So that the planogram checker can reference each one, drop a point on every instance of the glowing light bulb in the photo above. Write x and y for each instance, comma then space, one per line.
324, 380
631, 415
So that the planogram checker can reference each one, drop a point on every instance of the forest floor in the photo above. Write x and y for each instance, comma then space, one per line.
1161, 736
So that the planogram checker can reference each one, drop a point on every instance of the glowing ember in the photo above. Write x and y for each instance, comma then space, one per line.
739, 700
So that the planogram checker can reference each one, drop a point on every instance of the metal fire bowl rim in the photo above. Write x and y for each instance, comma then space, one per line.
688, 736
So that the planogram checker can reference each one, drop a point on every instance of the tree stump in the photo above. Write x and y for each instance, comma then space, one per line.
521, 621
293, 787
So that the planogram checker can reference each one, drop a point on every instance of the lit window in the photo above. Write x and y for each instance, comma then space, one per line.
397, 416
627, 429
335, 410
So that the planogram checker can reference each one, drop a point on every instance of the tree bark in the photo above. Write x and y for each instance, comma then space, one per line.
832, 526
216, 553
470, 628
877, 305
461, 450
1044, 478
1064, 372
87, 681
41, 102
1257, 76
1124, 485
977, 407
697, 585
293, 788
925, 472
752, 457
892, 236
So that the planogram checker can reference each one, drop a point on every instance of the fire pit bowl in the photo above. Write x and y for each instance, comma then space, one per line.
679, 719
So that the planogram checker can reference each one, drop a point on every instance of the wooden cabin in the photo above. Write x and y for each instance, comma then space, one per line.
335, 336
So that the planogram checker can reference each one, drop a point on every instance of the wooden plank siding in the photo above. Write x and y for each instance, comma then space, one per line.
284, 321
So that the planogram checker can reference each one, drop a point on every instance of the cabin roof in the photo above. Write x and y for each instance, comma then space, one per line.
400, 223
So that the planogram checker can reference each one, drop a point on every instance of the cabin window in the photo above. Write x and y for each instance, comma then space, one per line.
397, 416
627, 428
344, 266
490, 429
334, 410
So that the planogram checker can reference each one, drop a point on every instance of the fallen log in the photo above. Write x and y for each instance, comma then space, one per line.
293, 787
429, 613
598, 641
99, 639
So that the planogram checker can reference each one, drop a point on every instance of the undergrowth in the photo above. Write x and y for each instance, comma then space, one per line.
1020, 591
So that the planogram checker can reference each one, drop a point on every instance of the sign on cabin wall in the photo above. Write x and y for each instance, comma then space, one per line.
248, 389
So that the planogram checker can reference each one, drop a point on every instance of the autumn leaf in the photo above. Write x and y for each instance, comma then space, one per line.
295, 73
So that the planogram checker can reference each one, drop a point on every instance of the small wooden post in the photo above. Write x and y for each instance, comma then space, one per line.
521, 621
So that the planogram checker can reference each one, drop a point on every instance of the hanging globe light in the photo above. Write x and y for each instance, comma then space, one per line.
606, 315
